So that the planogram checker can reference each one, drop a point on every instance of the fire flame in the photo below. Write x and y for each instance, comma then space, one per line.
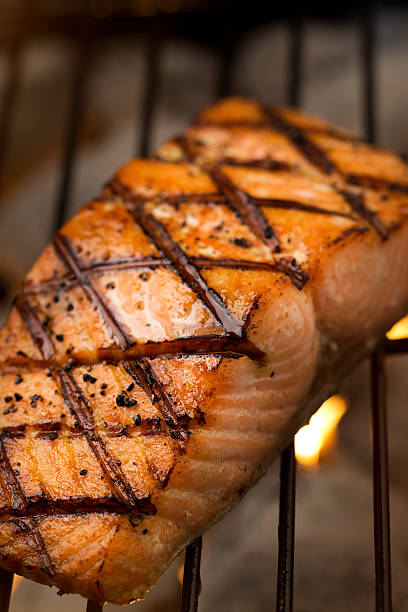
16, 581
320, 433
180, 573
399, 330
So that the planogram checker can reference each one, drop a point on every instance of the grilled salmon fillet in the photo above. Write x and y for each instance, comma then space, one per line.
177, 332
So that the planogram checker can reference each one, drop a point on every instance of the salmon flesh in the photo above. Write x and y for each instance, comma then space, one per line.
177, 332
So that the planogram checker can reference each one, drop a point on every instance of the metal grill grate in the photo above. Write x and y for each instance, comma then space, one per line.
192, 582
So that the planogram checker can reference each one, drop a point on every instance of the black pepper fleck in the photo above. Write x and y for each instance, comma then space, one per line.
89, 378
241, 242
123, 400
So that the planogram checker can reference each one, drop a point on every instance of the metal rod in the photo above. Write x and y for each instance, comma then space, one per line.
9, 97
294, 61
71, 135
191, 579
396, 347
382, 548
382, 544
91, 606
6, 583
287, 498
227, 54
368, 76
286, 531
150, 92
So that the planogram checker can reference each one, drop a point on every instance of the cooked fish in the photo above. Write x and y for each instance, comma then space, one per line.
177, 332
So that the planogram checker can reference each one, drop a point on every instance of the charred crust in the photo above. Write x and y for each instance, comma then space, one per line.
68, 256
246, 209
292, 269
36, 329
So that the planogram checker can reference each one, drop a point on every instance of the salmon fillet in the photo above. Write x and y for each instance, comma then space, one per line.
177, 332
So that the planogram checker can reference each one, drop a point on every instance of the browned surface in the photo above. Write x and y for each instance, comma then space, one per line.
224, 260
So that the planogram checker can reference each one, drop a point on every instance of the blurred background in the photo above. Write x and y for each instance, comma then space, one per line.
86, 84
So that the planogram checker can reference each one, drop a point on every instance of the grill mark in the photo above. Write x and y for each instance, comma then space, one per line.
298, 137
357, 231
79, 407
187, 346
38, 332
51, 286
241, 202
265, 163
67, 255
144, 376
181, 263
252, 216
375, 183
356, 203
19, 505
248, 212
292, 205
206, 263
75, 401
266, 125
294, 271
41, 508
316, 156
53, 430
36, 541
10, 484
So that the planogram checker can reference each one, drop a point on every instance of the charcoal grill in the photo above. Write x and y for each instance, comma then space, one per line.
84, 27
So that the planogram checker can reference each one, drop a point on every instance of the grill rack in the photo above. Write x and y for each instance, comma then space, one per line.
286, 529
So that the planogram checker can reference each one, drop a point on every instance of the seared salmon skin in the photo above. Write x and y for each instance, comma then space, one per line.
179, 329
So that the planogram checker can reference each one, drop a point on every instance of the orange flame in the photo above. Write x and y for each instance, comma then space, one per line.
16, 581
180, 573
399, 330
320, 433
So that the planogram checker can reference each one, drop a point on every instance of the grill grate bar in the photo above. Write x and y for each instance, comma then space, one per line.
8, 103
287, 496
286, 530
73, 124
153, 49
191, 578
295, 31
6, 584
368, 77
382, 546
91, 606
9, 97
192, 560
381, 505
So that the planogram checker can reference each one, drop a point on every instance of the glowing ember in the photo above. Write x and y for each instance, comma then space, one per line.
399, 330
320, 433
